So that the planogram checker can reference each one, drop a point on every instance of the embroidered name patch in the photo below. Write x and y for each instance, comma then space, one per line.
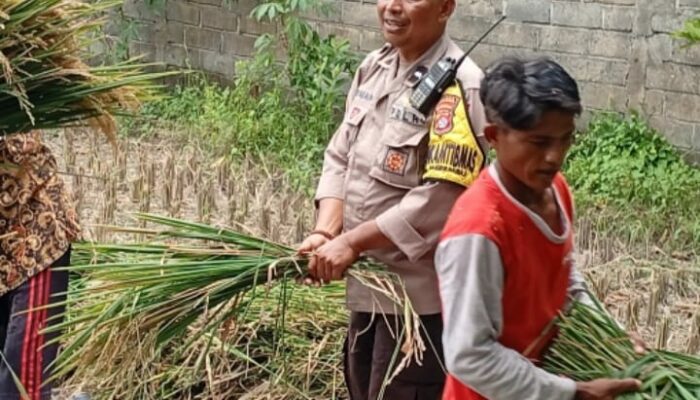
395, 161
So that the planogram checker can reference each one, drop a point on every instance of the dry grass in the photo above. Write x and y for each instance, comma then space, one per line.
644, 288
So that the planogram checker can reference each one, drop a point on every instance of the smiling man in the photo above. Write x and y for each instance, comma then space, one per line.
390, 177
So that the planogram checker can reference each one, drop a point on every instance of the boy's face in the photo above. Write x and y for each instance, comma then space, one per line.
534, 156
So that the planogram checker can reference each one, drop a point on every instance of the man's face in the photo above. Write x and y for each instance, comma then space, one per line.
535, 156
413, 23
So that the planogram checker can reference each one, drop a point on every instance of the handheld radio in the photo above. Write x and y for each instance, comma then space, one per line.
440, 77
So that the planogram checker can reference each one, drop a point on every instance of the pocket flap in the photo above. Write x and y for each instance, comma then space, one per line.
355, 115
402, 134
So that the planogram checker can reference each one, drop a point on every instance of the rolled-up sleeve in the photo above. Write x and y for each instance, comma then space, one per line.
335, 160
415, 223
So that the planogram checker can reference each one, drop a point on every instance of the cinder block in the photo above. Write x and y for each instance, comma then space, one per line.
182, 12
146, 32
683, 54
588, 69
147, 50
529, 11
203, 38
565, 40
689, 3
587, 15
239, 44
484, 54
604, 97
351, 34
678, 133
371, 40
469, 27
684, 107
618, 2
674, 77
332, 14
219, 18
670, 21
654, 101
177, 55
660, 48
610, 44
479, 8
223, 64
141, 10
619, 18
253, 27
361, 14
175, 32
514, 35
207, 2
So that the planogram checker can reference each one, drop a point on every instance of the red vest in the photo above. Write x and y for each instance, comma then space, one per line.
536, 268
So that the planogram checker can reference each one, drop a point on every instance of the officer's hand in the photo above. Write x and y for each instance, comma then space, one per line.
605, 389
308, 247
332, 259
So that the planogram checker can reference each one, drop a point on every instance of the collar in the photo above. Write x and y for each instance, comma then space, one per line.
430, 57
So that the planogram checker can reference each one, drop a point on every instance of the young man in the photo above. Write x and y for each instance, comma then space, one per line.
505, 267
390, 177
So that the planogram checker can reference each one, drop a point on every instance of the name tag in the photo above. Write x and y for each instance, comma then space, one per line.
407, 114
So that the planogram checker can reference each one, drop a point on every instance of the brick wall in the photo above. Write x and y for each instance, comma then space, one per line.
621, 51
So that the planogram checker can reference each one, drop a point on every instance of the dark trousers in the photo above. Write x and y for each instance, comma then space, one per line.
369, 349
23, 346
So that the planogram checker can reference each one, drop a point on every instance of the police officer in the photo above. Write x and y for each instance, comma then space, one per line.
390, 177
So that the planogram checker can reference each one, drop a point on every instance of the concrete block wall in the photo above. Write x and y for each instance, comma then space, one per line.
621, 51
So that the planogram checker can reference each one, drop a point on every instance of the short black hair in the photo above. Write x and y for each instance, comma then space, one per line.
518, 91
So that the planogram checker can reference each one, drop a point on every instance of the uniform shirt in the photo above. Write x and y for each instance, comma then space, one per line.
375, 163
37, 221
504, 276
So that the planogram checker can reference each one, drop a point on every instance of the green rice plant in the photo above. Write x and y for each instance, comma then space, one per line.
187, 290
591, 345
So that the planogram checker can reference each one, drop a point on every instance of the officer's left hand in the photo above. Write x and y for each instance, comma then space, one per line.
332, 259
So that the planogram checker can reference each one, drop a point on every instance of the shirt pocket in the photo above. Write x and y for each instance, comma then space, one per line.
401, 157
353, 121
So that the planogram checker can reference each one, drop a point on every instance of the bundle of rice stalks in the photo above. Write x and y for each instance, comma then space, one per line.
44, 82
191, 289
591, 345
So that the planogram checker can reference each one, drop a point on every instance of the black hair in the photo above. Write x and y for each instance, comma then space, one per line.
517, 92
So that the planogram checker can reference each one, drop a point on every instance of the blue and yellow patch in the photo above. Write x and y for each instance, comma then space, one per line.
454, 153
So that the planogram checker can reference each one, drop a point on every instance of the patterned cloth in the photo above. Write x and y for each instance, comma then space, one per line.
37, 220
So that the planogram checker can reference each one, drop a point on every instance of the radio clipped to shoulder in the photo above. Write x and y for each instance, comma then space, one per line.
440, 76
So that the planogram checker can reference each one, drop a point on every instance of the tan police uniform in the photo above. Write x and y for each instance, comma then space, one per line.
376, 163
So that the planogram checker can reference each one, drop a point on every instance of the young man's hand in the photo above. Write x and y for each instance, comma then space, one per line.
640, 346
332, 259
605, 389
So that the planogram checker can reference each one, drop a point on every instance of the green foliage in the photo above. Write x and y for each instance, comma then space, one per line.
279, 112
624, 167
690, 31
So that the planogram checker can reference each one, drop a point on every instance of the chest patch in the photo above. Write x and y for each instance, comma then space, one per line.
395, 161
